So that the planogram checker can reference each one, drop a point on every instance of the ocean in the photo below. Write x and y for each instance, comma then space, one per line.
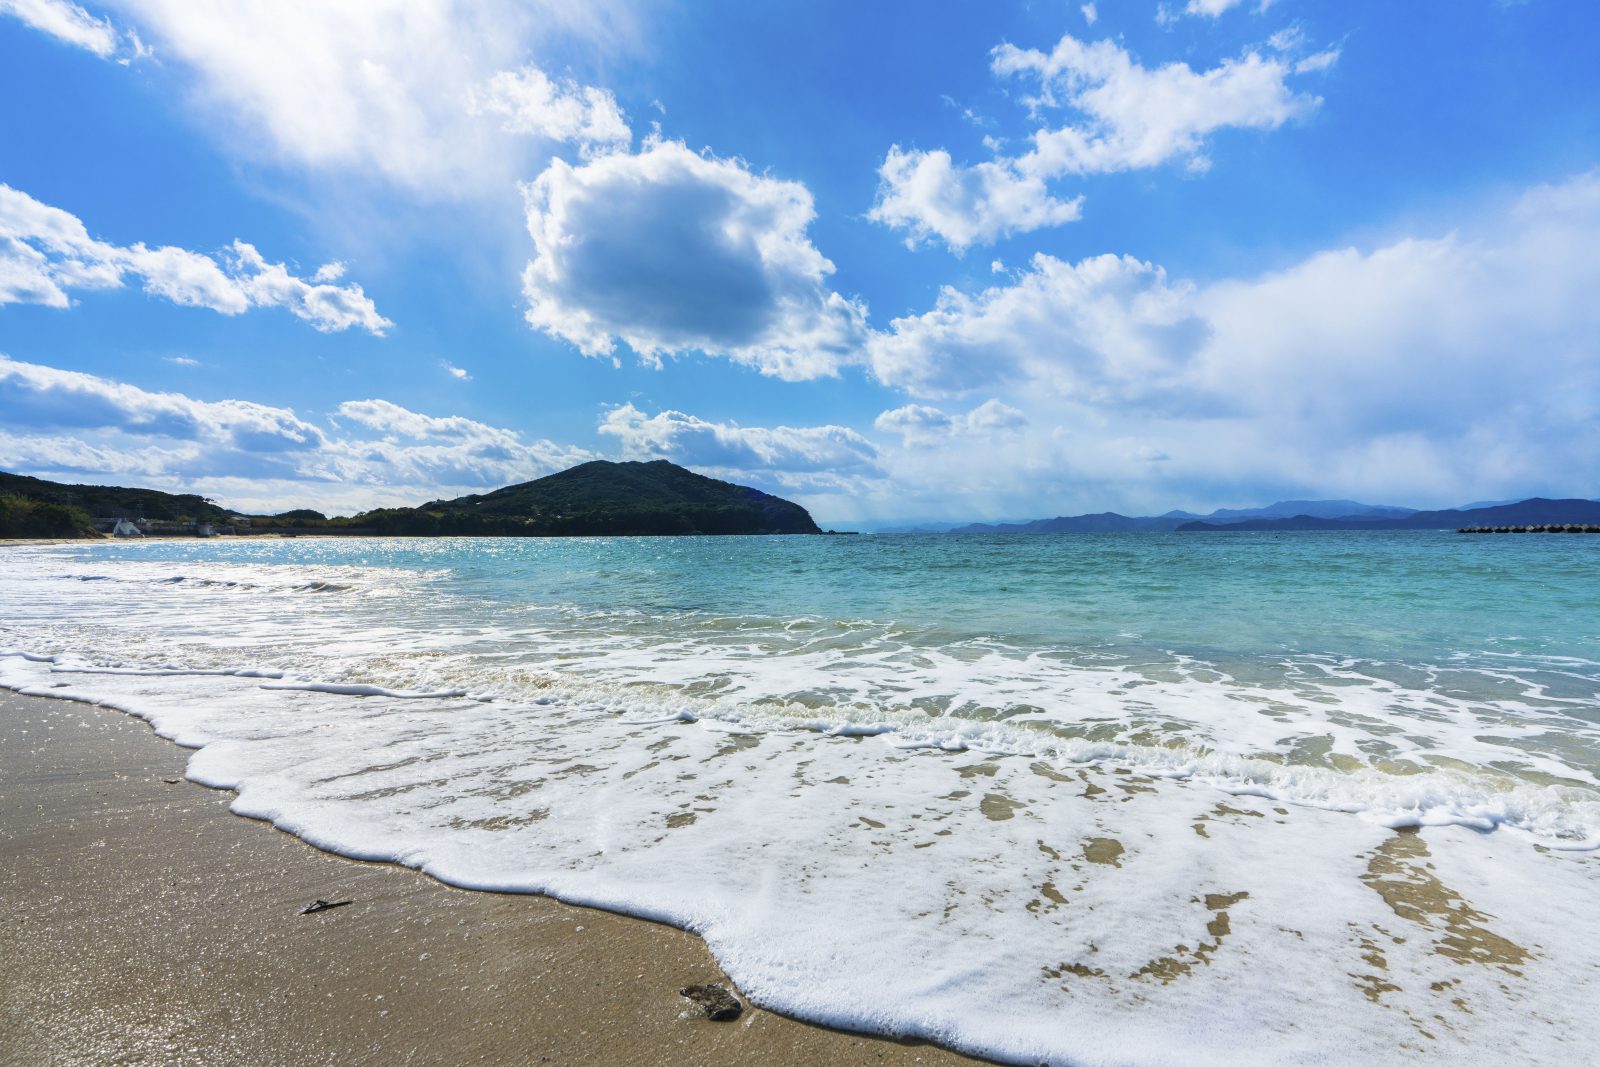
1325, 798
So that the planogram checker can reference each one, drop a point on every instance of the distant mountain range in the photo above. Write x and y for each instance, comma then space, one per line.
1111, 522
1536, 511
1295, 515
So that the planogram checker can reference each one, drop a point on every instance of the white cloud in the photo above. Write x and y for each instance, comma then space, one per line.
1102, 329
458, 373
669, 252
808, 457
1426, 370
33, 395
1136, 117
920, 423
916, 422
531, 102
927, 194
992, 416
1217, 8
1317, 61
66, 423
71, 24
394, 420
45, 251
413, 91
1090, 14
1129, 117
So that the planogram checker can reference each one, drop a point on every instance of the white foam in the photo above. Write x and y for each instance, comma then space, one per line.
361, 690
863, 823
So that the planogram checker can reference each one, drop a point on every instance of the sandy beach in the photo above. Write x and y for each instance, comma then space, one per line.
145, 924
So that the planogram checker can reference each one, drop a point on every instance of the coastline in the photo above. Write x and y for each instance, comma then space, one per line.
150, 925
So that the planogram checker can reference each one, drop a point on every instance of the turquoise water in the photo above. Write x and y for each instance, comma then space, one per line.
1428, 647
875, 772
1426, 594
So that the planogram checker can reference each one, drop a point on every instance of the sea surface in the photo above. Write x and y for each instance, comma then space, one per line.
1319, 798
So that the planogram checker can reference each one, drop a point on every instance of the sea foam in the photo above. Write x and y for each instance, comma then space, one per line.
1026, 851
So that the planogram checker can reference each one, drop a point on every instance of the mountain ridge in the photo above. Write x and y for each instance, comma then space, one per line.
1534, 511
1114, 522
598, 498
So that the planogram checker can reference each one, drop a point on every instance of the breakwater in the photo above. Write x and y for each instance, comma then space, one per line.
1554, 527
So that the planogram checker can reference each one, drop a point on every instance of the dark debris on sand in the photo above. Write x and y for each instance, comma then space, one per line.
719, 1005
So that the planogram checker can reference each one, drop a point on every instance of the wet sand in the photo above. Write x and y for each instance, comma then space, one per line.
145, 924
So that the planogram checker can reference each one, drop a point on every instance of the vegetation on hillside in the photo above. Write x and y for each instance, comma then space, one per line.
24, 517
604, 498
110, 501
594, 499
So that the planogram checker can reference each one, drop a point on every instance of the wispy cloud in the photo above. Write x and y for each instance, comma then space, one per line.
70, 24
435, 97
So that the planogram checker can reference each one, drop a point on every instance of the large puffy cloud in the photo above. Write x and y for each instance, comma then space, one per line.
1427, 370
71, 24
419, 92
70, 424
1099, 330
670, 251
1128, 117
45, 251
790, 455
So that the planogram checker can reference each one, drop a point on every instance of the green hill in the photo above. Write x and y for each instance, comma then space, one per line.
33, 507
599, 498
604, 498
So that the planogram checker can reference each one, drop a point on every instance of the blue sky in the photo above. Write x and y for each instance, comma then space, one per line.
897, 261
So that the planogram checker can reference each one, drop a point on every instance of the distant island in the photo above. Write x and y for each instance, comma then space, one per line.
1535, 511
600, 498
1295, 515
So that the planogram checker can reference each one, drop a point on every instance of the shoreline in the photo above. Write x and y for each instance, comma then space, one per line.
146, 929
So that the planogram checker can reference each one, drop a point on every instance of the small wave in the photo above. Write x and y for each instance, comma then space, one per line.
360, 690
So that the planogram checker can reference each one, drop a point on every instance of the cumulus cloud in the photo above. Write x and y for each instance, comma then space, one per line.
421, 93
1127, 117
1135, 117
669, 251
67, 423
45, 251
46, 398
1101, 330
1427, 369
932, 197
920, 423
70, 24
778, 451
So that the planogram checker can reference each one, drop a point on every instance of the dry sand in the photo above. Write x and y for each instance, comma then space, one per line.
145, 924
